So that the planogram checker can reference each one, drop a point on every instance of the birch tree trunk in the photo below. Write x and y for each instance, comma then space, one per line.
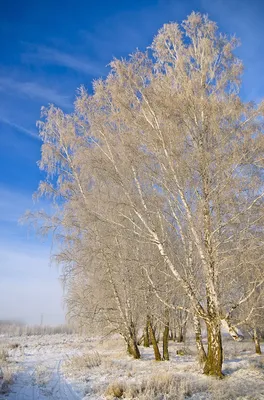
180, 337
132, 348
214, 359
132, 342
146, 334
165, 339
256, 341
198, 339
154, 342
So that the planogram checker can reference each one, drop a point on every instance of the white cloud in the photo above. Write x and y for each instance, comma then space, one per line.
19, 127
33, 90
53, 56
12, 205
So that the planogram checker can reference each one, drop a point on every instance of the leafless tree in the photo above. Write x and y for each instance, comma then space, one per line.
164, 158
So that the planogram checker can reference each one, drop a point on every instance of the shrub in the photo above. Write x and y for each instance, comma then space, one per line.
3, 354
83, 361
7, 372
115, 390
14, 346
157, 387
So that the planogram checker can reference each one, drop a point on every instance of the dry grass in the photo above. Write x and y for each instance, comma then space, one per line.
168, 386
115, 343
13, 346
7, 373
146, 380
234, 349
82, 362
156, 387
115, 390
42, 375
3, 355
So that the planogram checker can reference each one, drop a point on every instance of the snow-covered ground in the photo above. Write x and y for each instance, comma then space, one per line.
37, 361
74, 367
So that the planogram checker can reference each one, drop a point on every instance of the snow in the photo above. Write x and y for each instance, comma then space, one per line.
73, 367
39, 375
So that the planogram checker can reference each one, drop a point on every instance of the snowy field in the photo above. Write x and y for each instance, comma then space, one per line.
73, 367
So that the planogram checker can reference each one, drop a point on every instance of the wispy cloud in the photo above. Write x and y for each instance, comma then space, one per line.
12, 205
33, 90
19, 127
54, 56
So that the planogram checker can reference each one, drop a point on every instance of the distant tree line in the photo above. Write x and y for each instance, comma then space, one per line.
9, 328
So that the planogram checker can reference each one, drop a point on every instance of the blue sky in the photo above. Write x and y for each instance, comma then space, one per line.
48, 49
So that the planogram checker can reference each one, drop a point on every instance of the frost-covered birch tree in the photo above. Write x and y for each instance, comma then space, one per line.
165, 157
